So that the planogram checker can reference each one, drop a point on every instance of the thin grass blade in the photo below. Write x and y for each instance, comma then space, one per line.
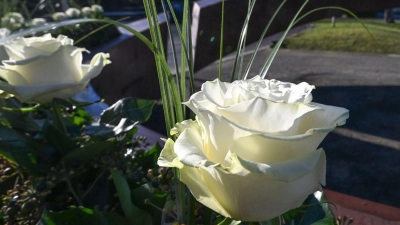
261, 39
221, 45
241, 40
271, 57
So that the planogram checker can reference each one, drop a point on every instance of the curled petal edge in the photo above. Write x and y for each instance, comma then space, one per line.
338, 122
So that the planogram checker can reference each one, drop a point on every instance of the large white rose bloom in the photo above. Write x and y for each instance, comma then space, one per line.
39, 69
252, 154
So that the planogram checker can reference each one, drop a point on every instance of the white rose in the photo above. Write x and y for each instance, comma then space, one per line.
73, 13
59, 16
86, 11
42, 68
97, 9
36, 22
252, 152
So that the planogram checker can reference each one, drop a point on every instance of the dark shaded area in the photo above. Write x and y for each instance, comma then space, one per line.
374, 109
358, 168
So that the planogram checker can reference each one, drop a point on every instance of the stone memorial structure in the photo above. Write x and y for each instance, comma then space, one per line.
133, 69
206, 21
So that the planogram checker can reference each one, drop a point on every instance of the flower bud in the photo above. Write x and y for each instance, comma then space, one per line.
86, 11
73, 13
36, 22
97, 9
59, 16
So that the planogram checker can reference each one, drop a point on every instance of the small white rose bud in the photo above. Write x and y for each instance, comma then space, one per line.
16, 17
12, 20
86, 11
73, 13
38, 22
97, 9
59, 16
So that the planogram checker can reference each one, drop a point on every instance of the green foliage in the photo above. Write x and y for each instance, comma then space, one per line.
133, 214
135, 109
81, 216
60, 163
349, 35
312, 212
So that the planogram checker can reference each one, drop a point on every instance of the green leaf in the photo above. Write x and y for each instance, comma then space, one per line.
18, 120
81, 216
59, 140
149, 159
135, 109
132, 213
88, 152
313, 211
17, 147
325, 221
229, 221
108, 131
274, 221
143, 193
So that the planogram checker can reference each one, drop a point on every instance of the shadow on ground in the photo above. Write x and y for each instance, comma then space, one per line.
366, 163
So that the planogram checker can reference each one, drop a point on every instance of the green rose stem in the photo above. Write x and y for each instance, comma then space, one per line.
58, 122
180, 189
71, 189
226, 221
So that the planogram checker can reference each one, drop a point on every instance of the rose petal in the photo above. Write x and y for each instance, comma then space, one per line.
283, 118
189, 149
218, 134
182, 126
265, 116
267, 150
24, 48
48, 69
215, 91
193, 178
96, 65
199, 100
12, 77
21, 52
286, 170
252, 196
168, 157
43, 93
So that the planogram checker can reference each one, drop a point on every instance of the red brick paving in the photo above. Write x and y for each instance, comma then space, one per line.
362, 211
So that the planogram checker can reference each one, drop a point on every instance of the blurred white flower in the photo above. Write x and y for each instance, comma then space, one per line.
38, 69
59, 16
12, 20
73, 13
86, 11
36, 22
97, 9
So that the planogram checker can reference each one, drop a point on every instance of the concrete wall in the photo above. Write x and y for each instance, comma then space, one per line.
207, 19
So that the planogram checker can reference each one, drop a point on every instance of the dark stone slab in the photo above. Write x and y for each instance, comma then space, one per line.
132, 72
207, 20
